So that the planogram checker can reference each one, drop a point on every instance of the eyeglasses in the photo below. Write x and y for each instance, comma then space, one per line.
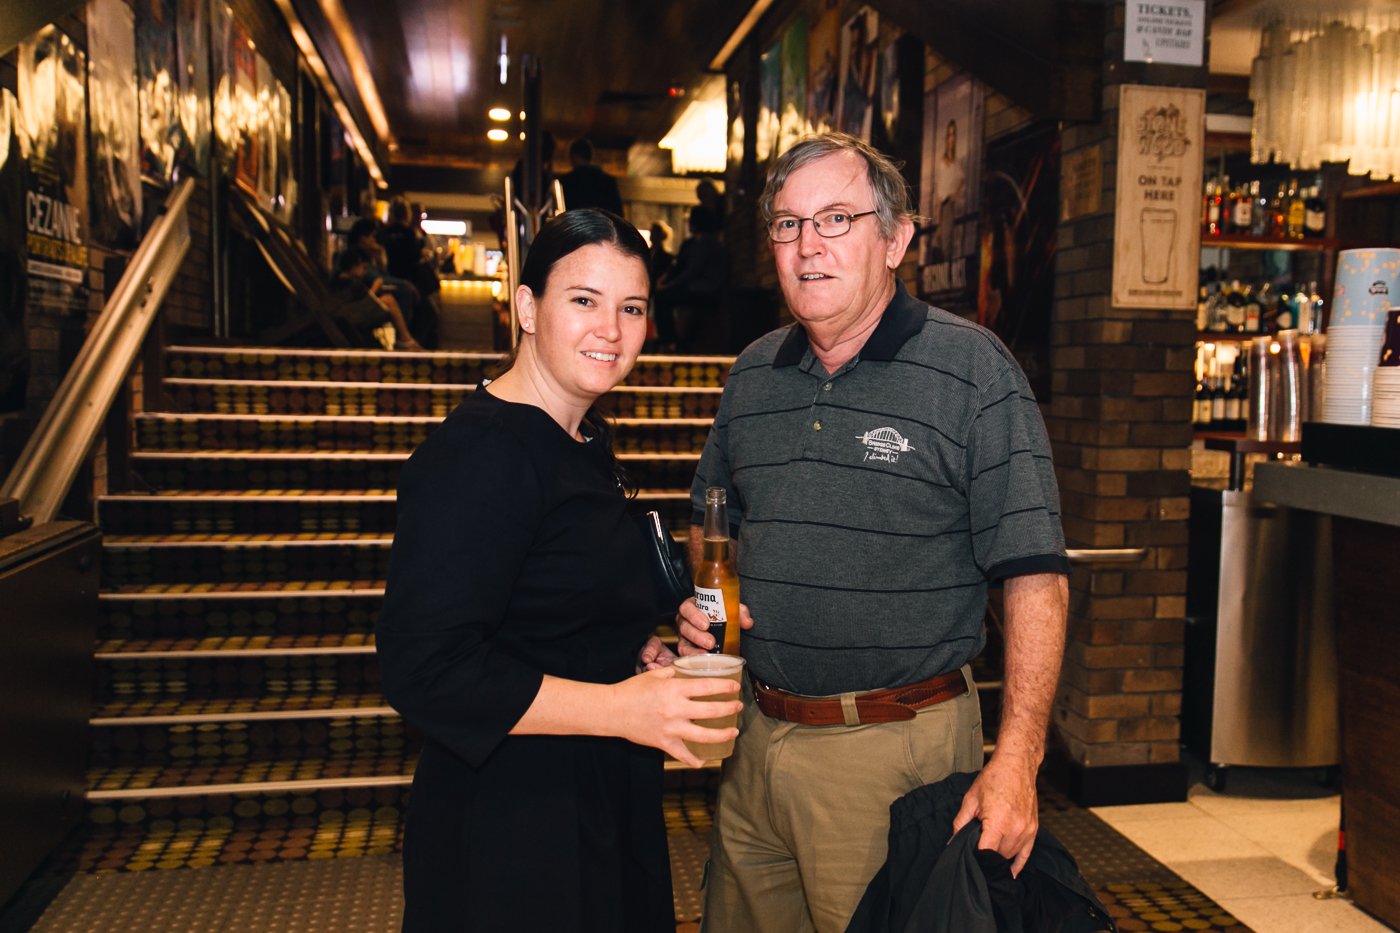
829, 224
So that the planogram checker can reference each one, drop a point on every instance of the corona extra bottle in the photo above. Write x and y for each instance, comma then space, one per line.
716, 581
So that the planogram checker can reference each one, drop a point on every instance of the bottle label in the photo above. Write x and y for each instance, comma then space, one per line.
711, 602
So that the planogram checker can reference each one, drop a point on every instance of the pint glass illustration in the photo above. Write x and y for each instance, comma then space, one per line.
1158, 244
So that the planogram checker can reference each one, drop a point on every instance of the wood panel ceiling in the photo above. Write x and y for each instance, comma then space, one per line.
606, 65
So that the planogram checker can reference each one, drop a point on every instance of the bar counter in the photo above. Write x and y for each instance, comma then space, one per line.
1366, 565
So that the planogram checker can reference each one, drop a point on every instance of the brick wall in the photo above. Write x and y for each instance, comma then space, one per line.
1119, 422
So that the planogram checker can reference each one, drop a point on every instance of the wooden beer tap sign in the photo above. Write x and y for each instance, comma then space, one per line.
1157, 231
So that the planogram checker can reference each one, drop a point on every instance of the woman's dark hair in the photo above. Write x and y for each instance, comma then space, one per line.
571, 231
565, 234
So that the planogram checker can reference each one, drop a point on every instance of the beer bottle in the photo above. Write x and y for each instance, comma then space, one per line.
716, 582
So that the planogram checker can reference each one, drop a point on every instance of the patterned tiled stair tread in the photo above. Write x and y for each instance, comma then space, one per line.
194, 774
279, 493
439, 368
271, 587
124, 707
196, 563
257, 616
233, 398
237, 643
217, 745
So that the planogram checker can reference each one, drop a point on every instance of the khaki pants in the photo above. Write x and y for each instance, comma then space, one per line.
803, 816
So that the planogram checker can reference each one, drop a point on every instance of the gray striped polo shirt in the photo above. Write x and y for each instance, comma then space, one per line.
874, 506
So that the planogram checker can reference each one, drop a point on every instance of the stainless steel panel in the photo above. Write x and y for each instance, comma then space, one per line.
1276, 651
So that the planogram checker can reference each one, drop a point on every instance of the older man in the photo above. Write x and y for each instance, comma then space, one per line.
889, 463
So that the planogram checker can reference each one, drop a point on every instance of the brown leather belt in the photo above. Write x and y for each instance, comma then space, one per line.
851, 709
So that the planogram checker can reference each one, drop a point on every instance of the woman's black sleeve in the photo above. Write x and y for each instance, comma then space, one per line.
467, 514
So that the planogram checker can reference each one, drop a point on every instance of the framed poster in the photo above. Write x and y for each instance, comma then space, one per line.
855, 95
1016, 262
192, 83
792, 119
890, 46
1157, 231
770, 101
115, 131
225, 120
824, 66
161, 133
243, 63
53, 141
951, 191
14, 337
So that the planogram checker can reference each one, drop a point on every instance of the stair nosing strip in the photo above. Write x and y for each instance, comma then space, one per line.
267, 416
406, 354
241, 594
178, 719
261, 787
118, 543
381, 419
337, 455
319, 383
409, 386
232, 496
269, 455
178, 654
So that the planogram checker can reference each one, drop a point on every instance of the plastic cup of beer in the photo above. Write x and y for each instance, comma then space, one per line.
713, 665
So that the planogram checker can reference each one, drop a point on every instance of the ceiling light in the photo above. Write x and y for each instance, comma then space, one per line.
697, 141
445, 227
499, 114
497, 135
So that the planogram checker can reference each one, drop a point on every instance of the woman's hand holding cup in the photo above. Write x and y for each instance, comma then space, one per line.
659, 709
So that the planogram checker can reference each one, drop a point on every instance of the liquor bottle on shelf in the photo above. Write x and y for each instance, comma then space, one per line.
1314, 213
1232, 404
1296, 211
1215, 202
1215, 311
1241, 382
1202, 308
1217, 401
1200, 412
1259, 215
1241, 210
1278, 212
1234, 306
1252, 311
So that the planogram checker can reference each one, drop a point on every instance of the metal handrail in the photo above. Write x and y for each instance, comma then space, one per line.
51, 459
1105, 555
513, 259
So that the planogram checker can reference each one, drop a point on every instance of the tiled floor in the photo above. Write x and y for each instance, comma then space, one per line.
1261, 851
338, 870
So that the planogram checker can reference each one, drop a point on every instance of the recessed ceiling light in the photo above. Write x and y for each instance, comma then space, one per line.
499, 114
497, 135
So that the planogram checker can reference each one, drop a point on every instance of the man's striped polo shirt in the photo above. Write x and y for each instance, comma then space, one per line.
873, 506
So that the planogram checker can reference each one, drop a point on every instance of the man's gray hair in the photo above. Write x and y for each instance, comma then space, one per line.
886, 183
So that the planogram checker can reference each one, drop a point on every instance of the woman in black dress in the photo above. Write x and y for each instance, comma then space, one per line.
518, 612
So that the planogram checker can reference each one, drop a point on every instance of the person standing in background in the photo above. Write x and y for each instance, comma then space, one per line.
587, 185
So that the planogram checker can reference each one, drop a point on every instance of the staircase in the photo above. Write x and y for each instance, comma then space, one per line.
238, 713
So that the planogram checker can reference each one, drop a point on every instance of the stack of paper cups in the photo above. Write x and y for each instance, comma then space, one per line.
1367, 282
1385, 385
